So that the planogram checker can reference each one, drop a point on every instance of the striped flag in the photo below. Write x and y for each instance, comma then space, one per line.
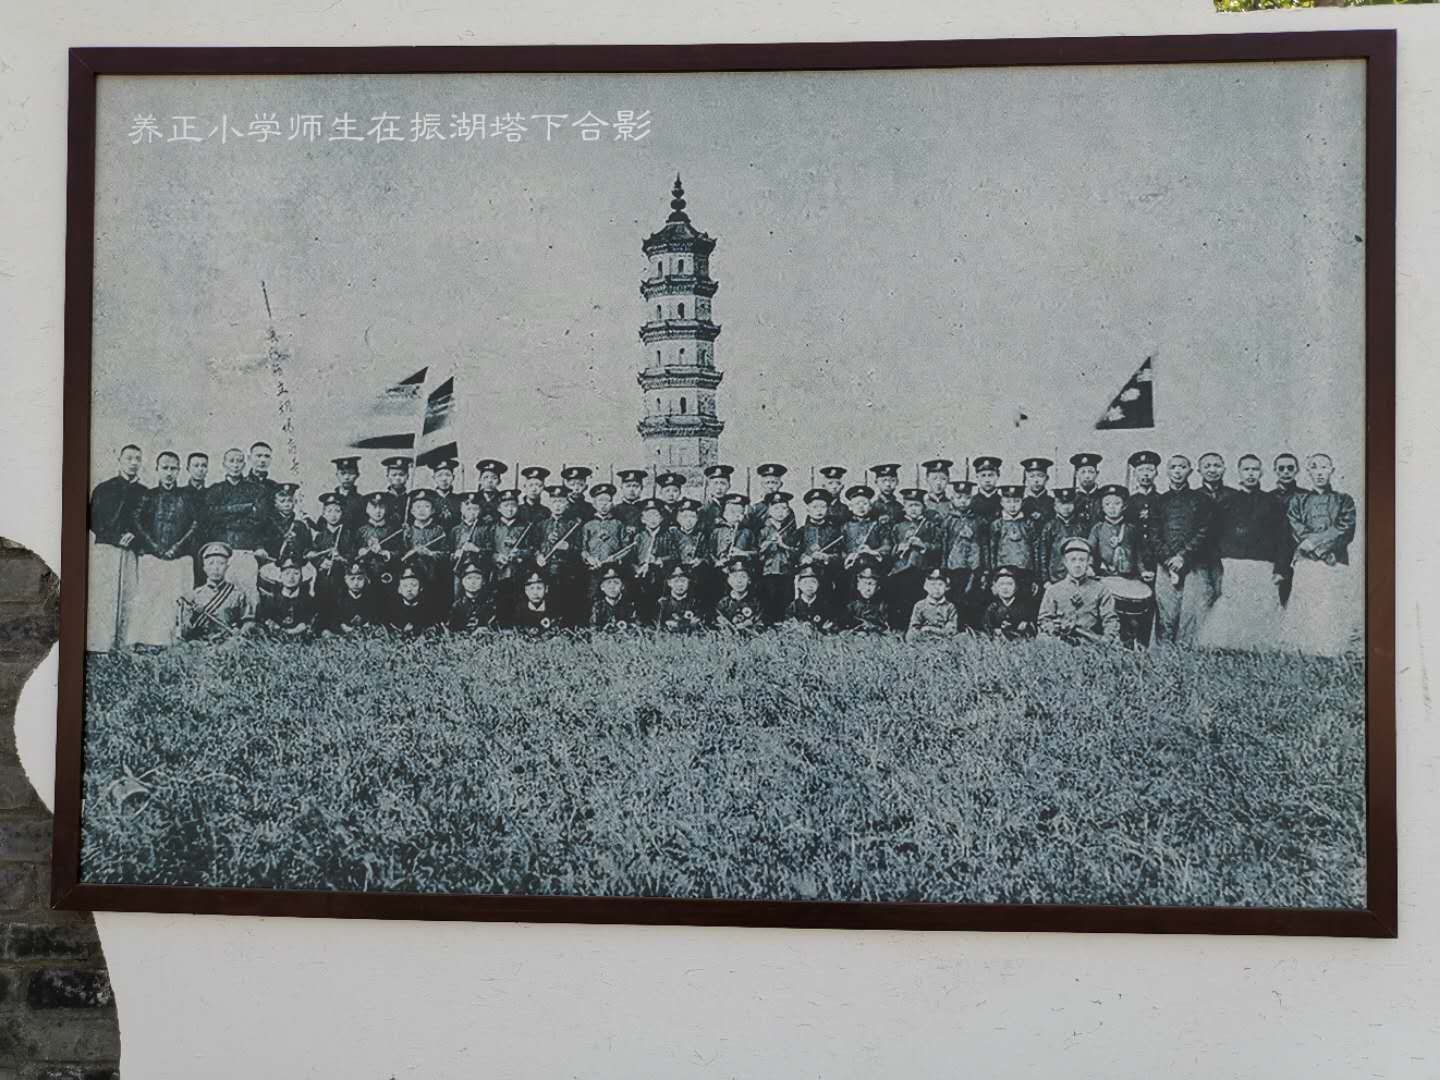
395, 419
1134, 406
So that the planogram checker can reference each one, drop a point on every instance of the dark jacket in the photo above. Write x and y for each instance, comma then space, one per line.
236, 512
1183, 524
1252, 525
112, 508
1329, 518
165, 521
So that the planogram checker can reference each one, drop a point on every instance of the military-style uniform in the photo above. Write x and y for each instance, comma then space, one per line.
345, 613
612, 616
932, 618
1140, 511
653, 553
1078, 611
867, 615
779, 555
1010, 620
1052, 542
867, 539
330, 549
469, 542
964, 560
534, 510
814, 616
378, 548
1087, 507
284, 536
1012, 542
1038, 507
411, 618
728, 541
916, 551
560, 548
743, 612
471, 611
286, 616
887, 505
447, 509
821, 546
216, 613
1116, 547
511, 548
985, 505
604, 541
680, 614
627, 511
427, 548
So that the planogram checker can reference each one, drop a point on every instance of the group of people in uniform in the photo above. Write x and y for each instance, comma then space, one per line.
1210, 564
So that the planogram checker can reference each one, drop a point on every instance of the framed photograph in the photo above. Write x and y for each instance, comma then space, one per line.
923, 485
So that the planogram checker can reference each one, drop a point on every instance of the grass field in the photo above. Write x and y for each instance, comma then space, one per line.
768, 768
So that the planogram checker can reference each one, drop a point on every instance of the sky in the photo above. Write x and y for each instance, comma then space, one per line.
907, 262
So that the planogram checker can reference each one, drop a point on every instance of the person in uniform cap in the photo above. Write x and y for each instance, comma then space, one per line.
532, 494
867, 532
1140, 506
887, 479
679, 611
654, 551
352, 608
165, 526
605, 540
963, 559
1182, 556
937, 481
1038, 504
446, 508
559, 557
347, 489
473, 607
534, 616
235, 514
809, 611
1078, 608
933, 615
397, 486
833, 481
627, 506
332, 544
1113, 539
576, 478
1013, 542
986, 501
731, 536
739, 609
778, 556
866, 612
408, 613
287, 613
717, 486
612, 610
511, 546
284, 533
1006, 616
916, 539
377, 542
1058, 528
487, 485
426, 545
693, 551
670, 486
820, 543
467, 539
1087, 498
218, 609
772, 479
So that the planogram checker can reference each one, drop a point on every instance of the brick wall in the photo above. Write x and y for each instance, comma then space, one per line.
57, 1015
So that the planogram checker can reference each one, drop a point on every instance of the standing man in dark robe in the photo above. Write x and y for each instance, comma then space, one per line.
114, 564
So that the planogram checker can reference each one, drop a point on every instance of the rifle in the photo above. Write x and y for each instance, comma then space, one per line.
612, 558
827, 547
514, 548
553, 547
184, 603
460, 548
864, 546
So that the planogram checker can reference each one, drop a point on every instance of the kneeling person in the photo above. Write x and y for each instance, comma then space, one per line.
934, 616
679, 607
474, 608
535, 616
409, 614
612, 611
739, 609
353, 607
288, 612
1007, 617
867, 611
218, 609
1078, 607
809, 611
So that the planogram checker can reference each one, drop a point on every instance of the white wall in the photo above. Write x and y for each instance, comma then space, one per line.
219, 998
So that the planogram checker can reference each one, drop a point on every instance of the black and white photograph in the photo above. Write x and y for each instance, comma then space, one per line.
930, 486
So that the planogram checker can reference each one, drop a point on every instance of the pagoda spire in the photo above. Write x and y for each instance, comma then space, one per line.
677, 202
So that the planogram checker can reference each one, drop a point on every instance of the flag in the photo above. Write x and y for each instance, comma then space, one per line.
1134, 406
439, 408
393, 416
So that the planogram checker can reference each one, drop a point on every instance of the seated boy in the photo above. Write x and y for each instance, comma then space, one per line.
933, 616
867, 611
474, 608
612, 610
808, 610
679, 609
217, 609
288, 612
739, 609
1007, 616
409, 614
353, 607
534, 616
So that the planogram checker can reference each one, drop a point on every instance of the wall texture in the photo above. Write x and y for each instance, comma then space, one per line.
57, 1013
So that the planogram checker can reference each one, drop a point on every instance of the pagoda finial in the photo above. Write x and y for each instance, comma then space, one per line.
677, 203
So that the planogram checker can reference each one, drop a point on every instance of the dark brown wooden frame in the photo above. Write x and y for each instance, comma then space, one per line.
1375, 47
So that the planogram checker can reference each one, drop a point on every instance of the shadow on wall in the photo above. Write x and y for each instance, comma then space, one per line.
57, 1014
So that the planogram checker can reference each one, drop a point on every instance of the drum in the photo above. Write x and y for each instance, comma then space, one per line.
1132, 596
1133, 605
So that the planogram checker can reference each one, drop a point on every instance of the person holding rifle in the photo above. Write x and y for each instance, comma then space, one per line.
377, 542
511, 548
779, 554
917, 551
559, 558
426, 543
820, 540
654, 550
219, 609
332, 545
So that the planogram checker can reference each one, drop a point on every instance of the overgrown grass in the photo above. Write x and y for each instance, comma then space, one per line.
767, 768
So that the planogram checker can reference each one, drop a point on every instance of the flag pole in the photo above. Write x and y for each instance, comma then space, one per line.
415, 445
